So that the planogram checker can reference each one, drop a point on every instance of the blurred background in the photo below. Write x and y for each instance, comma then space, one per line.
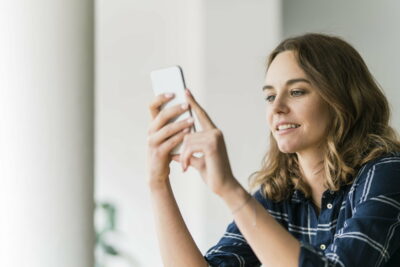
75, 89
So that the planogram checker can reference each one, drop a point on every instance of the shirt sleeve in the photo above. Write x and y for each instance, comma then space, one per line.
232, 250
372, 235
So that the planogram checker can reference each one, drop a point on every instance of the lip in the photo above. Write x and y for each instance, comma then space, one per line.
284, 122
286, 131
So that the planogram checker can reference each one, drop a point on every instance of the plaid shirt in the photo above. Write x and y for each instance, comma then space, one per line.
357, 226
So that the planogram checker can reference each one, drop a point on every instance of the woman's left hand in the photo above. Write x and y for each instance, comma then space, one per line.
214, 165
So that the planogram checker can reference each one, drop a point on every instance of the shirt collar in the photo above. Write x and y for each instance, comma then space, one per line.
298, 196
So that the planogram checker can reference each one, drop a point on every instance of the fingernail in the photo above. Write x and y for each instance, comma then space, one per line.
186, 130
169, 95
188, 92
184, 106
190, 120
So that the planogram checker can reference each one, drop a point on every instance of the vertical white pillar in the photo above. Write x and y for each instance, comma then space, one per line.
46, 133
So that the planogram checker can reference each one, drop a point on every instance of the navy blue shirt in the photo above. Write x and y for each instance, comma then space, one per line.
359, 225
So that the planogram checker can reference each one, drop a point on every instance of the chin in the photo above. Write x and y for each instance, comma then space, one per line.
287, 149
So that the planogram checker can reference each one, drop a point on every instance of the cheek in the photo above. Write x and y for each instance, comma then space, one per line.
269, 118
319, 120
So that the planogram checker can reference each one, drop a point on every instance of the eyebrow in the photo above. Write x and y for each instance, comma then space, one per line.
288, 82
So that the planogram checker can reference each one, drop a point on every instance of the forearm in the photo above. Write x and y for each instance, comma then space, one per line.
177, 246
272, 244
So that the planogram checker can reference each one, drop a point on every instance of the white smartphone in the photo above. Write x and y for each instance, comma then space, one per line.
171, 80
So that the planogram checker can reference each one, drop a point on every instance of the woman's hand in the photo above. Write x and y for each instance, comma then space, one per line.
214, 165
163, 137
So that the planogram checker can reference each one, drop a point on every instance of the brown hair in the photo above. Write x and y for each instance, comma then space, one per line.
360, 112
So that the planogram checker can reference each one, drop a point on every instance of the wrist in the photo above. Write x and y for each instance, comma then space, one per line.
158, 184
234, 195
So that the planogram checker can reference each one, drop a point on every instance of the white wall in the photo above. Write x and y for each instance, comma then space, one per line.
372, 27
222, 46
239, 37
46, 133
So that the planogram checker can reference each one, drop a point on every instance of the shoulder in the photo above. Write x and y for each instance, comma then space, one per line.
279, 210
264, 200
379, 176
387, 166
260, 197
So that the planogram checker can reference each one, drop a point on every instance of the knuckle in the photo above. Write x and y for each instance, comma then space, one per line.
174, 138
160, 120
169, 113
178, 137
154, 104
170, 129
175, 111
214, 140
211, 148
180, 108
217, 133
164, 131
211, 144
149, 140
161, 114
152, 127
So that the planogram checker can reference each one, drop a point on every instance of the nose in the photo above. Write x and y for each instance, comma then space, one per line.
280, 105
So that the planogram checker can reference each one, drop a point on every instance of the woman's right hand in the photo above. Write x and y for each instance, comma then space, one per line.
163, 137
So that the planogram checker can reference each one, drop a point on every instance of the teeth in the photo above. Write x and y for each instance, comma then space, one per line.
287, 126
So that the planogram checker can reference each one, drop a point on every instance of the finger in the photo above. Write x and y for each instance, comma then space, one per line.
172, 142
205, 121
193, 143
197, 163
157, 102
176, 157
169, 130
166, 115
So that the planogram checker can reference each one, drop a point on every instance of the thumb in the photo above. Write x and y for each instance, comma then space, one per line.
176, 158
197, 163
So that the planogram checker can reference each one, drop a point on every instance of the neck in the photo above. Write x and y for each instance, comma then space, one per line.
311, 167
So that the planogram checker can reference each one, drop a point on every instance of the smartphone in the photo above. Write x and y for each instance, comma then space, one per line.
171, 80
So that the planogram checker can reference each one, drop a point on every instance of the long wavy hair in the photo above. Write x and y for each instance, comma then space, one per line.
359, 110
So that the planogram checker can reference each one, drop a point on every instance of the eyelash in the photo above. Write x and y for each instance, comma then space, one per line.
302, 92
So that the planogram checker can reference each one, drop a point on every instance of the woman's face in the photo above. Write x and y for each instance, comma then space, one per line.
297, 115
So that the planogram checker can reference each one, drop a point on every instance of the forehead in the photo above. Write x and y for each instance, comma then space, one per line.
284, 67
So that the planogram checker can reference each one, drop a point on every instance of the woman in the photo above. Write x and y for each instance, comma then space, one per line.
328, 193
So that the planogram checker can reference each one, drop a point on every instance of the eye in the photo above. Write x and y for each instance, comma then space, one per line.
297, 92
270, 98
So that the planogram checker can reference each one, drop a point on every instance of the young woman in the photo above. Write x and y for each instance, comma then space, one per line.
328, 193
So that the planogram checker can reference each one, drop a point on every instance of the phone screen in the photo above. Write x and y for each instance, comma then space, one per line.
171, 80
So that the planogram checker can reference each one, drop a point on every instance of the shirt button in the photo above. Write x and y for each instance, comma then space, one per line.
331, 192
322, 247
329, 206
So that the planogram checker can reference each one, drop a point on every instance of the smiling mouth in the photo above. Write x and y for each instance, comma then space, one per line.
287, 126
